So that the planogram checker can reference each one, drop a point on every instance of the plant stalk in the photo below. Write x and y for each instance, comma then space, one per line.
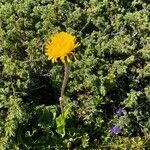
64, 84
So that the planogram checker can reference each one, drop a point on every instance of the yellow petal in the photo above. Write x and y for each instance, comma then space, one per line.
62, 59
53, 60
77, 45
49, 58
68, 60
74, 57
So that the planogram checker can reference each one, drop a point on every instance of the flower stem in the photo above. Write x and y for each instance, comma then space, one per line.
65, 80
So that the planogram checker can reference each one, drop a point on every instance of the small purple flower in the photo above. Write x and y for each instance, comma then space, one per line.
119, 111
115, 129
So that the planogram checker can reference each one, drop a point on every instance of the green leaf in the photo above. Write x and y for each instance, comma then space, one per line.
61, 120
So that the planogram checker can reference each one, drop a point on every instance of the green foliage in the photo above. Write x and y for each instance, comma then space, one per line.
61, 120
112, 70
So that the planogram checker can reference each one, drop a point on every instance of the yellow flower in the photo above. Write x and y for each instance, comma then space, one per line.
61, 45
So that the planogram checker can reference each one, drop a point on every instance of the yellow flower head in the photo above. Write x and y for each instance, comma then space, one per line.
61, 45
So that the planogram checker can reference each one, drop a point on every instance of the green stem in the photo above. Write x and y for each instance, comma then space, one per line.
65, 80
